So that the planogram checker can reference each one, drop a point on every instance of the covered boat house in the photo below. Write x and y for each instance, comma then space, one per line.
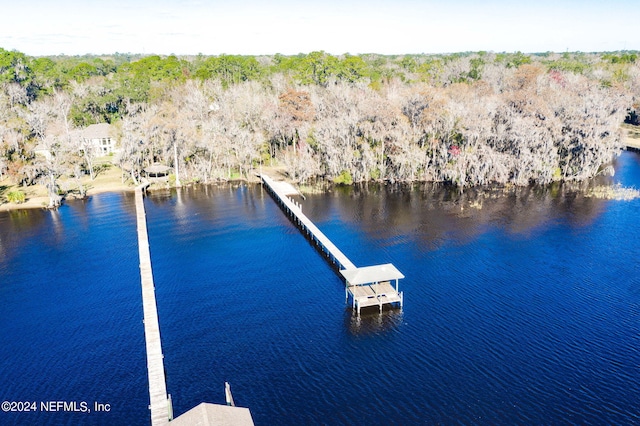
372, 286
157, 172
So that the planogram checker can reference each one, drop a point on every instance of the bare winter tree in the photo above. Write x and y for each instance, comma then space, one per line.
467, 119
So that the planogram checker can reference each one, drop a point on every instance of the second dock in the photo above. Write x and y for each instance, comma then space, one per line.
367, 286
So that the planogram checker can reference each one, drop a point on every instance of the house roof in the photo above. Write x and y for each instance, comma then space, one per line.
97, 131
157, 168
371, 274
214, 415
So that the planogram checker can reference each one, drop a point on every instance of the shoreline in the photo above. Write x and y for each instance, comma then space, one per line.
110, 181
42, 201
38, 199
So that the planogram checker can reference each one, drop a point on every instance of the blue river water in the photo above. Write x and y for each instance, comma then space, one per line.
521, 308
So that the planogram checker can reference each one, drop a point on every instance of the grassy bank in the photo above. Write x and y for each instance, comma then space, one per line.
108, 180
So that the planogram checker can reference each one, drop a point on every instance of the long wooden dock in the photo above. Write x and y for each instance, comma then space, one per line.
368, 286
159, 402
282, 190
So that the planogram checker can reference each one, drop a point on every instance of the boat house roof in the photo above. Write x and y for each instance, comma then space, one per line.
214, 415
157, 169
371, 274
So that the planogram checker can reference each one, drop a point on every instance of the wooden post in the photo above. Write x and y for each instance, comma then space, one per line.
175, 156
227, 395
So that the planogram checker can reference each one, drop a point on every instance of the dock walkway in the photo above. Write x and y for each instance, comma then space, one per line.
159, 402
282, 190
367, 286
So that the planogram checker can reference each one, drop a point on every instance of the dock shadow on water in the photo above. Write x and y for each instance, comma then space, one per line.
371, 322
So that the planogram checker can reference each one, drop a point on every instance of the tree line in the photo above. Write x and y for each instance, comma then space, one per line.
469, 119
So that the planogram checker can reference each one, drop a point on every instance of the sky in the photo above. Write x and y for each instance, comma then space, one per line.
253, 27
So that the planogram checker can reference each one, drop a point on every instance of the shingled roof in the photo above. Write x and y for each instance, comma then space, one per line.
215, 415
156, 169
97, 131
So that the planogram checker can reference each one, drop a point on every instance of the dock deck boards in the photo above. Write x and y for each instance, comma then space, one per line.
374, 294
155, 364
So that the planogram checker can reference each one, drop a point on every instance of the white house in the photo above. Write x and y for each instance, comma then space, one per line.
41, 149
98, 137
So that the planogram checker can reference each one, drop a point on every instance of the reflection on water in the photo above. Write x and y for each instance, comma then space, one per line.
15, 227
57, 226
371, 321
432, 213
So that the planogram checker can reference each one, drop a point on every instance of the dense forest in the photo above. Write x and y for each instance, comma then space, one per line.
467, 119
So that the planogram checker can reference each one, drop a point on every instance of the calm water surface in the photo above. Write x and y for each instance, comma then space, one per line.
519, 309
